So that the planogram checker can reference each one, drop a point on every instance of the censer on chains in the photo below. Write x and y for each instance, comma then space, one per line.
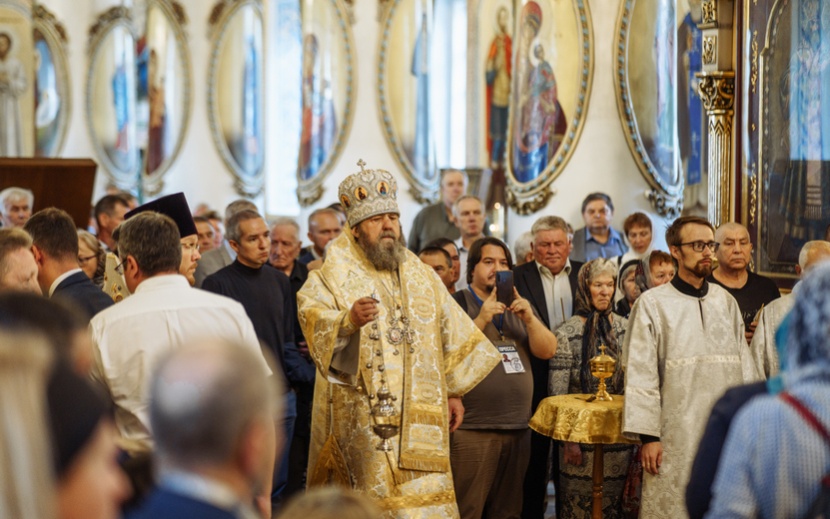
387, 421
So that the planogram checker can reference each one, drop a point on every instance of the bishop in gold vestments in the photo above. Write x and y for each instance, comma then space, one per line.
421, 346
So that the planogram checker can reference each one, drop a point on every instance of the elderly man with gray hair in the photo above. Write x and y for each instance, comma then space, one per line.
212, 410
523, 248
16, 206
772, 315
18, 268
549, 282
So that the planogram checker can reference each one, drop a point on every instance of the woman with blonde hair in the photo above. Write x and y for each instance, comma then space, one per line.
27, 489
91, 257
330, 502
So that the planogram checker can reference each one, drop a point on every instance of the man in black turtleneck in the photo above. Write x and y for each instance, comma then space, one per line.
266, 295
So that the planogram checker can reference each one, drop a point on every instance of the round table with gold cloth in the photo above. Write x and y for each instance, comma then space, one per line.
573, 418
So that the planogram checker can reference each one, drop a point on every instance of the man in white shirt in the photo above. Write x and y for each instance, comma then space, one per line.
163, 313
549, 283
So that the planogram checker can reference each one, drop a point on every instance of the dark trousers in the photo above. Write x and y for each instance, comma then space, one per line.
487, 470
300, 444
281, 467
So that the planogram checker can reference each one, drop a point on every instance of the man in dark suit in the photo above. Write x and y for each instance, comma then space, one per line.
549, 283
55, 248
213, 467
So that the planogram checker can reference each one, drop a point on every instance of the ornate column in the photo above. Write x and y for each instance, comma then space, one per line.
717, 91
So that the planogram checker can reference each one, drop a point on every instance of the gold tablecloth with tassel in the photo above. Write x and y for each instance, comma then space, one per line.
572, 418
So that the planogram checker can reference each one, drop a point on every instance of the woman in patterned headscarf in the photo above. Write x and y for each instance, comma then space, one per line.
777, 470
579, 339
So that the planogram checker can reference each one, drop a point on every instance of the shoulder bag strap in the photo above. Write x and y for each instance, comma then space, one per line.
807, 415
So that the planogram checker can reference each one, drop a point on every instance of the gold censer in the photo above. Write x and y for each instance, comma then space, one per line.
602, 367
387, 420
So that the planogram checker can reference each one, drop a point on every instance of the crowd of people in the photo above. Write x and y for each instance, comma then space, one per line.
185, 364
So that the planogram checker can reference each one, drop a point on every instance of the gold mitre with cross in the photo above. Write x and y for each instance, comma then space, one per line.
368, 193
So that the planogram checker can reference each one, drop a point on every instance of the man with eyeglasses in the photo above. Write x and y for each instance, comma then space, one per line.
751, 290
684, 347
175, 206
162, 315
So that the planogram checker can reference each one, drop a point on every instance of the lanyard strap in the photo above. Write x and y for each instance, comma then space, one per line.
500, 324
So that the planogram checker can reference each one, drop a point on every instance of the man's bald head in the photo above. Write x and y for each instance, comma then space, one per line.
203, 399
813, 253
729, 228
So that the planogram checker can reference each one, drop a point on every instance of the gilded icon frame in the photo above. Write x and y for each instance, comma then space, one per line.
529, 195
663, 174
249, 178
309, 190
52, 32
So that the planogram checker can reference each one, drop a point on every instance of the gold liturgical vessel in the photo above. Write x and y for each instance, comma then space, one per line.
387, 420
602, 367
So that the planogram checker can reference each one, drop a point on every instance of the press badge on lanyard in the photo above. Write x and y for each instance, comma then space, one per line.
510, 360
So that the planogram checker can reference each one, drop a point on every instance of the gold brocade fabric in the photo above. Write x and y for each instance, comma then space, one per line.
448, 356
572, 418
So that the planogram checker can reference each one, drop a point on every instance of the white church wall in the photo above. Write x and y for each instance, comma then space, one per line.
601, 161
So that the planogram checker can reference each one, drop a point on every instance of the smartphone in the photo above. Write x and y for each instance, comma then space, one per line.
504, 287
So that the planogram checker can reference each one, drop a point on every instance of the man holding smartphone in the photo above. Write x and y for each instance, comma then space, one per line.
490, 451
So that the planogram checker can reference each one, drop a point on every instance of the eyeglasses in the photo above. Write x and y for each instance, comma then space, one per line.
188, 247
120, 267
83, 260
698, 246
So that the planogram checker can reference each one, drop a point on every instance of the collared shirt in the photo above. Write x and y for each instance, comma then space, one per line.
615, 246
462, 257
208, 491
129, 339
60, 279
558, 295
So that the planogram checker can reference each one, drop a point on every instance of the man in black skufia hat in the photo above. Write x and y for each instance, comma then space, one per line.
175, 206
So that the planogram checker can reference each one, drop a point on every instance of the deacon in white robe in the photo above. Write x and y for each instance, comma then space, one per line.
685, 346
763, 342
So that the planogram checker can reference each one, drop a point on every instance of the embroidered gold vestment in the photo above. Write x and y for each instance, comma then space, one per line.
448, 356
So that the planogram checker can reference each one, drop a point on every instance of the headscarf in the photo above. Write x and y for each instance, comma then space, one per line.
643, 275
808, 347
597, 329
